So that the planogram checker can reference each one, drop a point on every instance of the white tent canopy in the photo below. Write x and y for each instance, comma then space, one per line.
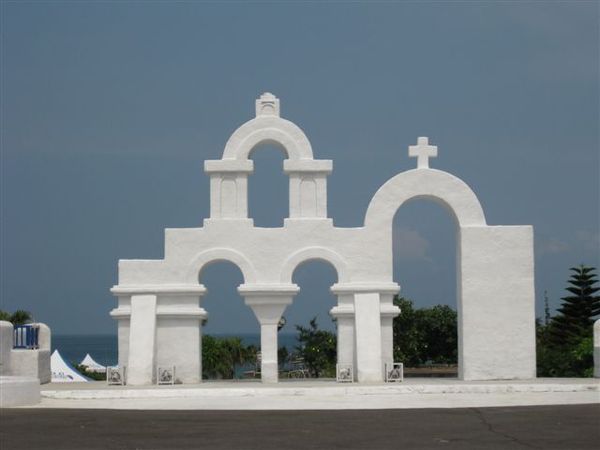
63, 372
92, 366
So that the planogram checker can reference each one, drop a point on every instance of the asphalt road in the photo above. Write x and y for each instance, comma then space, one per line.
543, 427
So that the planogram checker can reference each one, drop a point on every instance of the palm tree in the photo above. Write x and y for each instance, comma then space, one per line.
19, 317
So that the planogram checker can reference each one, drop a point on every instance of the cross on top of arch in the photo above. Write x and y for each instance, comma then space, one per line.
422, 151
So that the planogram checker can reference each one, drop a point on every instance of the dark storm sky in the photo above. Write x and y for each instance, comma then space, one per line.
109, 110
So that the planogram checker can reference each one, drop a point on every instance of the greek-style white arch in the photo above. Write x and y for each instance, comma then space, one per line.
268, 130
220, 254
311, 254
441, 187
495, 267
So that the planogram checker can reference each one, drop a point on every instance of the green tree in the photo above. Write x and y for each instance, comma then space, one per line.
221, 356
425, 335
318, 348
564, 345
19, 317
578, 310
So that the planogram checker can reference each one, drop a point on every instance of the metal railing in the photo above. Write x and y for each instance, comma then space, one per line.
26, 336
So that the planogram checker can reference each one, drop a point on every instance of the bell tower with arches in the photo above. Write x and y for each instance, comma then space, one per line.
229, 175
160, 313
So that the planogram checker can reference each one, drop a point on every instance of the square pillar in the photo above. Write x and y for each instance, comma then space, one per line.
142, 340
344, 316
388, 312
496, 303
387, 339
178, 334
228, 187
367, 321
308, 187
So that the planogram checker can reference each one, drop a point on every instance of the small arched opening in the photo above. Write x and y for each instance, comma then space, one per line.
308, 339
268, 186
231, 333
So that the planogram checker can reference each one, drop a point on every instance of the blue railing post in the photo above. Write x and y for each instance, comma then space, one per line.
26, 336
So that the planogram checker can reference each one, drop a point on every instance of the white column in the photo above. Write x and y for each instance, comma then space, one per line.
268, 303
388, 312
597, 348
178, 330
345, 340
368, 337
344, 315
387, 339
228, 187
142, 340
308, 187
268, 311
268, 348
6, 345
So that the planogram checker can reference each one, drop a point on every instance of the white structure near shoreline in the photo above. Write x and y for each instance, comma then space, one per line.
159, 309
23, 367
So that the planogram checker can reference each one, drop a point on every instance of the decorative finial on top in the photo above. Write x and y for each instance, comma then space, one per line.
422, 151
267, 105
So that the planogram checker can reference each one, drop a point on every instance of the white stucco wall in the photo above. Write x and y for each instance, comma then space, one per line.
497, 308
142, 347
31, 363
6, 345
25, 362
597, 348
19, 391
495, 270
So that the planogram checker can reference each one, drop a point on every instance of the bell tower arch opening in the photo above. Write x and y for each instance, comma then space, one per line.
268, 186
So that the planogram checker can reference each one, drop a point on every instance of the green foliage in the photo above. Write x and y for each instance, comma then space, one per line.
19, 317
220, 356
282, 355
576, 360
318, 348
578, 310
426, 335
564, 345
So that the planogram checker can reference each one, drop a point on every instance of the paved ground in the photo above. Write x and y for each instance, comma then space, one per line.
543, 427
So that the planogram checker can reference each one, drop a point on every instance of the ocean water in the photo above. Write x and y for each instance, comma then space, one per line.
104, 348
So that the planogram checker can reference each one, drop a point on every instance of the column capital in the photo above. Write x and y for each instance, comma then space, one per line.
159, 289
352, 288
268, 290
342, 311
228, 166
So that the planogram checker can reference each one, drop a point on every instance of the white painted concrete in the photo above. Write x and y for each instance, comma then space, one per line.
496, 265
494, 271
597, 348
368, 337
6, 345
142, 350
29, 363
19, 391
412, 393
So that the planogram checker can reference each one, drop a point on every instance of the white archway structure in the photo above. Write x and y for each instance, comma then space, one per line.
159, 313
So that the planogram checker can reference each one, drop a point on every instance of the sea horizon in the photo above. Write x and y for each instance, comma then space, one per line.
103, 347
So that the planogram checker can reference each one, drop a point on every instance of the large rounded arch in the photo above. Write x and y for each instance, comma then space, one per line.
311, 254
441, 187
220, 254
269, 130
